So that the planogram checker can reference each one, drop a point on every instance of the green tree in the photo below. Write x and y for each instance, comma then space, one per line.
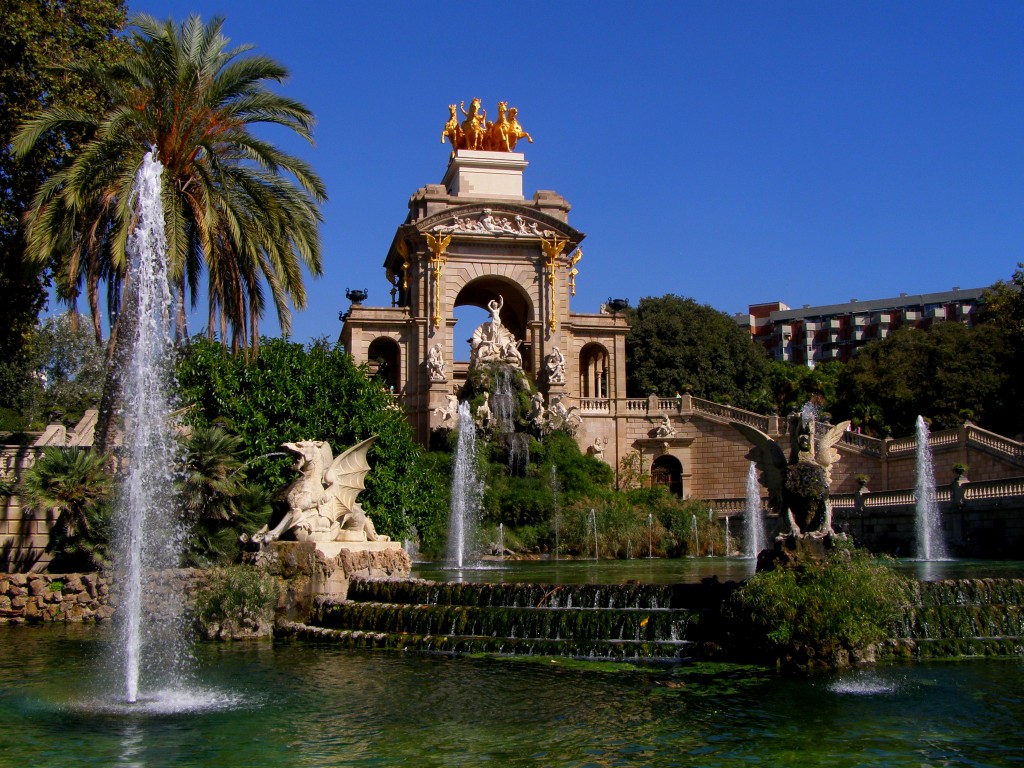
233, 202
793, 385
74, 483
37, 40
677, 345
947, 373
292, 392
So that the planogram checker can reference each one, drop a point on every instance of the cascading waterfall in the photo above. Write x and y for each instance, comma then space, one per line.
466, 490
150, 531
505, 405
753, 522
696, 539
650, 535
931, 543
726, 552
554, 506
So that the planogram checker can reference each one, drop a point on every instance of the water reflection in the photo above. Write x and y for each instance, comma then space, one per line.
301, 704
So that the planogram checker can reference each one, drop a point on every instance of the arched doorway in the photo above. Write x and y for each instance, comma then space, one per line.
384, 357
667, 471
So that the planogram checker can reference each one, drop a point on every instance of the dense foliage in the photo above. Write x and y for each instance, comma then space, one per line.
948, 373
236, 601
292, 392
37, 39
677, 345
821, 612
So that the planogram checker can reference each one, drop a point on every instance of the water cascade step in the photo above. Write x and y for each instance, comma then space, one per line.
617, 621
961, 617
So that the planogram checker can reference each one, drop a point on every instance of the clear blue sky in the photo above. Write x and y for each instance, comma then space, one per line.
808, 152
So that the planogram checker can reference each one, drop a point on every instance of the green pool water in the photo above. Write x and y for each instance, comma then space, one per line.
291, 704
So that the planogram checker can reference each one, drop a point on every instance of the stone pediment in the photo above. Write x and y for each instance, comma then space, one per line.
496, 221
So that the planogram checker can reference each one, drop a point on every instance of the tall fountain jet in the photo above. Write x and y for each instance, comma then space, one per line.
465, 492
931, 543
754, 538
150, 531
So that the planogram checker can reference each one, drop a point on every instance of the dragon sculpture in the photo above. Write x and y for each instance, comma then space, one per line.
797, 487
322, 500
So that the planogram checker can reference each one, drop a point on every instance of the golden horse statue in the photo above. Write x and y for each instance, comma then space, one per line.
498, 135
473, 127
515, 130
451, 128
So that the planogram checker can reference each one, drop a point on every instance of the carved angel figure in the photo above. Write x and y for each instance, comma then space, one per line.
322, 500
797, 488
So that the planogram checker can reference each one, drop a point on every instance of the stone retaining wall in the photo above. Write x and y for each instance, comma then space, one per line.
36, 598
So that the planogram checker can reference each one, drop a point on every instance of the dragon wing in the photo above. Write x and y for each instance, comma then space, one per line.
770, 459
825, 452
345, 477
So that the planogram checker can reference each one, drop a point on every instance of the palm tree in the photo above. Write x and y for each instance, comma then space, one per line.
73, 483
233, 203
215, 492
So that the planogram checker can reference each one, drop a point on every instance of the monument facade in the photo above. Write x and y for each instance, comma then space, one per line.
475, 239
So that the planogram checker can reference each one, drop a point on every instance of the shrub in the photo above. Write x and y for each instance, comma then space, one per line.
821, 612
236, 602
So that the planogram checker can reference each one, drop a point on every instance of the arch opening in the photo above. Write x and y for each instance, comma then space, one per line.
667, 471
594, 371
384, 357
516, 313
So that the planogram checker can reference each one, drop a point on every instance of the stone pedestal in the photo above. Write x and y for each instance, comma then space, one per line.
307, 569
791, 551
487, 175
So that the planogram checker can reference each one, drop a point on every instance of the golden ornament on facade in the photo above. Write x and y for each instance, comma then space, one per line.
438, 245
477, 133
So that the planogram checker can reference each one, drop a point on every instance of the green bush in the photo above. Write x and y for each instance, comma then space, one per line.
236, 601
820, 612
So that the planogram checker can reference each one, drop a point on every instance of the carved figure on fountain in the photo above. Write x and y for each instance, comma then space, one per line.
436, 366
492, 342
554, 367
798, 488
322, 500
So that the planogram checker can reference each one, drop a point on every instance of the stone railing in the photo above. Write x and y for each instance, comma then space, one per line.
595, 405
16, 458
735, 506
990, 440
994, 489
869, 445
730, 413
636, 405
962, 493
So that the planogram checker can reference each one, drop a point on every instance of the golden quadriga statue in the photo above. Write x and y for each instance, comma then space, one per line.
477, 132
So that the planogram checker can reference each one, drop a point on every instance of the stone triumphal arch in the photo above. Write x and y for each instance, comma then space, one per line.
476, 240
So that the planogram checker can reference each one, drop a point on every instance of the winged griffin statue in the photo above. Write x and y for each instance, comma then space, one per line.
797, 487
322, 500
